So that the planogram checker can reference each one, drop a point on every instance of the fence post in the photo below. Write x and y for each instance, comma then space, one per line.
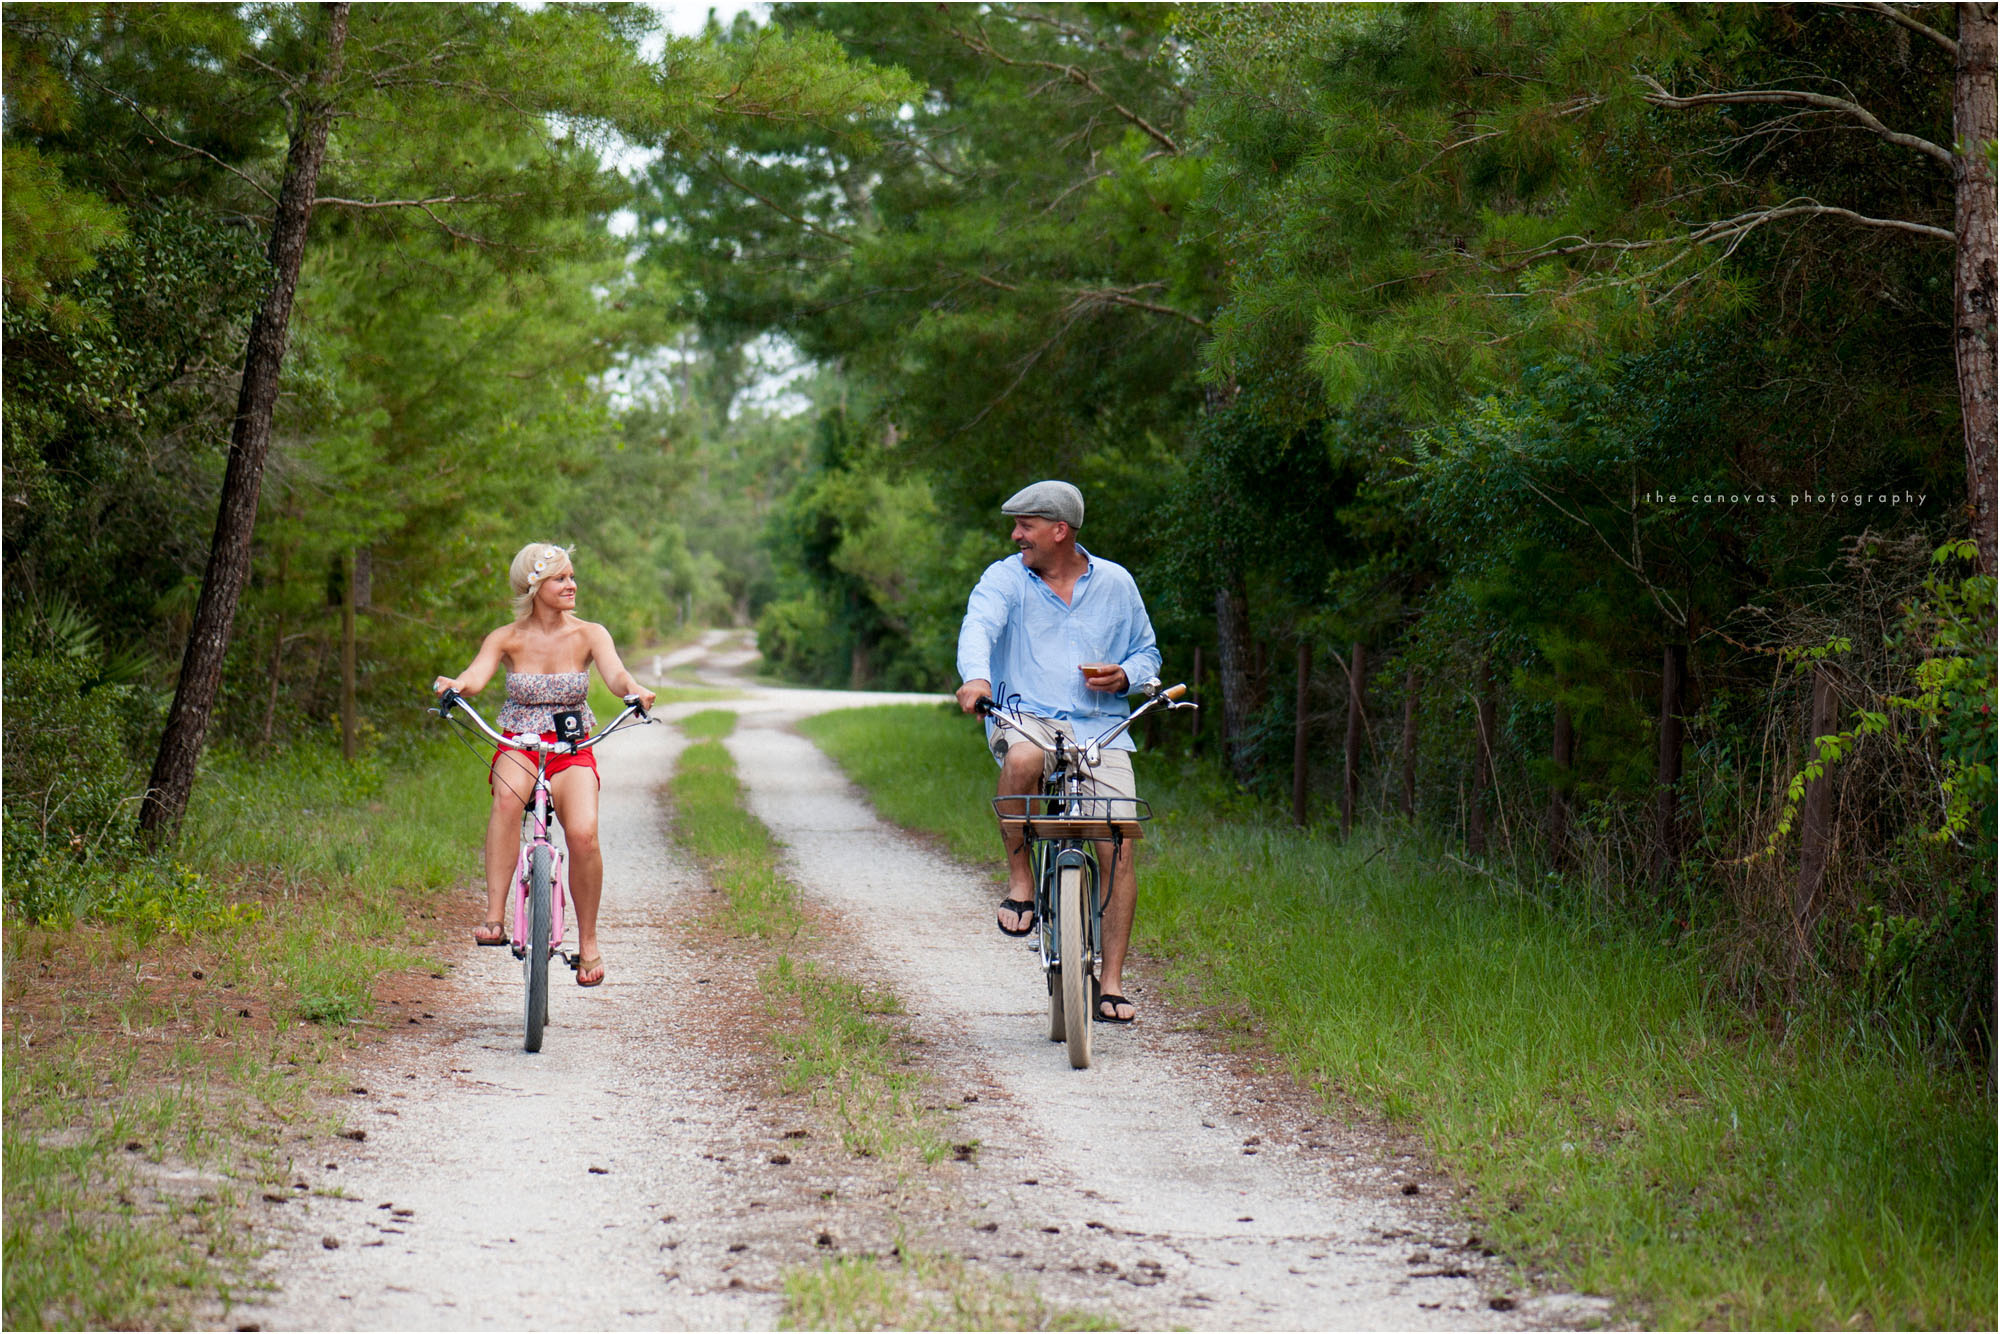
349, 600
1194, 693
1299, 727
1563, 752
1357, 704
1816, 816
1410, 744
1666, 813
1482, 762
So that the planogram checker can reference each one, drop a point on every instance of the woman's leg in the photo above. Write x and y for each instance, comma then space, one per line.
513, 780
575, 792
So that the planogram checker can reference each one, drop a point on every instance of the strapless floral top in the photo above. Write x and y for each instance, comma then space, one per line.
534, 698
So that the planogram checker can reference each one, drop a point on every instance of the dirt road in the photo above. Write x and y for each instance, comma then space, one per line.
641, 1173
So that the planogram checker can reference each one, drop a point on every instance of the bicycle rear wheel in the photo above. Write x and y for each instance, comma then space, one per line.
541, 869
1071, 914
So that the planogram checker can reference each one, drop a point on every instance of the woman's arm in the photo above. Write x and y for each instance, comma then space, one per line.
609, 666
474, 678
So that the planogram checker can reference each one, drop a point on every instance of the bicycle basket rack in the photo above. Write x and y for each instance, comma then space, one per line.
1048, 816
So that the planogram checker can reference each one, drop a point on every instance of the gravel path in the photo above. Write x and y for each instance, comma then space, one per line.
626, 1176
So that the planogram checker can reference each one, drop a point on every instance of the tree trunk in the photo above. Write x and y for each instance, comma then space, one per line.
1974, 127
860, 670
1666, 794
1815, 819
1563, 753
1300, 722
1482, 762
250, 441
1232, 632
1410, 744
1357, 711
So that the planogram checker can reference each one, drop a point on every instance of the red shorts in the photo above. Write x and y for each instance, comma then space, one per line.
523, 762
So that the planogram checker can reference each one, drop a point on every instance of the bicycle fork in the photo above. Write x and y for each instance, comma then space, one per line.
1057, 952
535, 825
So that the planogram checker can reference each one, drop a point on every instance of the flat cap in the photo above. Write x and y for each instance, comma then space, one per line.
1047, 500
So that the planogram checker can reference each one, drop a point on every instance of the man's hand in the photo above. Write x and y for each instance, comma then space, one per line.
1108, 677
972, 692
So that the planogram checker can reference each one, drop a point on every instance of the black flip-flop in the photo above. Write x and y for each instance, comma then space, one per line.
1017, 907
501, 939
1112, 998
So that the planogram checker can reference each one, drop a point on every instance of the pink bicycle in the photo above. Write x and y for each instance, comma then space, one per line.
541, 882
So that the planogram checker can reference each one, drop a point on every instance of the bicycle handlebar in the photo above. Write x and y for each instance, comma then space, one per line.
1093, 751
449, 700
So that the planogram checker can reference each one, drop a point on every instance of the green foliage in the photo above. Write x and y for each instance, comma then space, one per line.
874, 594
1006, 272
54, 232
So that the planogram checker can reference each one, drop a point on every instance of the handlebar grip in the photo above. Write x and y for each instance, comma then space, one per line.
447, 700
1175, 692
632, 701
983, 706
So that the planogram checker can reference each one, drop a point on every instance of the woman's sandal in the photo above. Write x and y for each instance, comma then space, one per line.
490, 933
590, 965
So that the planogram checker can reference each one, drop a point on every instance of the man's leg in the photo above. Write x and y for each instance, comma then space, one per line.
1118, 910
1114, 779
1020, 775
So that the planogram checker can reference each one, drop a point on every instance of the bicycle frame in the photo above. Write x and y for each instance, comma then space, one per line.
1059, 827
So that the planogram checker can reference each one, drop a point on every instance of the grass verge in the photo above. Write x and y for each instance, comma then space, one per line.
164, 1040
917, 1290
1614, 1128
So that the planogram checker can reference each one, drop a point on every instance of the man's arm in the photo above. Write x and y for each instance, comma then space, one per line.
986, 614
1142, 658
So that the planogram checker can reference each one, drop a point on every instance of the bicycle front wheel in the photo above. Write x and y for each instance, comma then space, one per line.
1072, 912
541, 874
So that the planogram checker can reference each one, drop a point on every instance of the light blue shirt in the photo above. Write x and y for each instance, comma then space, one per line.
1019, 635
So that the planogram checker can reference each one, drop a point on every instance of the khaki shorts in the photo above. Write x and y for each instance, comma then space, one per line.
1111, 778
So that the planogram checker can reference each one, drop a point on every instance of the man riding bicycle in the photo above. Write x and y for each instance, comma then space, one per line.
1068, 633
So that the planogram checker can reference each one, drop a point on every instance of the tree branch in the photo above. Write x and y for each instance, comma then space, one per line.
1660, 97
154, 126
1115, 298
410, 203
1896, 15
1074, 75
1730, 229
716, 165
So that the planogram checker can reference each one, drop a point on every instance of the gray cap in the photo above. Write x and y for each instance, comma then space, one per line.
1047, 500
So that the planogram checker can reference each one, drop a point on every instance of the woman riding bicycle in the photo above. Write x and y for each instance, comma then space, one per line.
548, 653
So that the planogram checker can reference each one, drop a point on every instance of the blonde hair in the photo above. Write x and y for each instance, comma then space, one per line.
532, 564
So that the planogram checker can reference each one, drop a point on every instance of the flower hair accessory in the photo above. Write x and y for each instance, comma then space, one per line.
545, 562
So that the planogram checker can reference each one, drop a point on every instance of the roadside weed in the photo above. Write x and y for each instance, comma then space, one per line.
847, 1057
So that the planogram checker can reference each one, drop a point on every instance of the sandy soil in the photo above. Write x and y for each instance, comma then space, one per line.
643, 1171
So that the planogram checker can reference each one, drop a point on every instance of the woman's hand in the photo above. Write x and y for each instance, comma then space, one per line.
444, 683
